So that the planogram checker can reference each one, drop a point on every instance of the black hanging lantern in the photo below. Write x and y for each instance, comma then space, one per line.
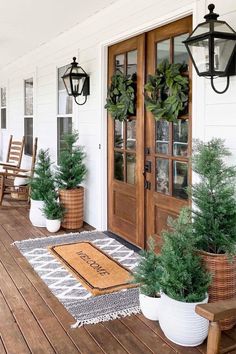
211, 47
76, 81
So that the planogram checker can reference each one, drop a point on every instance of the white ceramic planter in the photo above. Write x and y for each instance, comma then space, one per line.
180, 323
36, 215
150, 306
53, 225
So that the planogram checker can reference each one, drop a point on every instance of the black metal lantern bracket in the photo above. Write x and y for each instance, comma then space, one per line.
76, 82
212, 49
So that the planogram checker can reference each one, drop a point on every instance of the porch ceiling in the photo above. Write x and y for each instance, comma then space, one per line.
26, 24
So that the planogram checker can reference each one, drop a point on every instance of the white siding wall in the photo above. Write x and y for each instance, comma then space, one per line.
213, 115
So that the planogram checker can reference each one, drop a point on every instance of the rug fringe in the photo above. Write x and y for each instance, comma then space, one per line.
109, 317
54, 237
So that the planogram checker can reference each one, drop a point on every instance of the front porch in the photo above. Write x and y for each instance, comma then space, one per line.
34, 321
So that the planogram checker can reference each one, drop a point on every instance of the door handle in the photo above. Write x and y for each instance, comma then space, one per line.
148, 166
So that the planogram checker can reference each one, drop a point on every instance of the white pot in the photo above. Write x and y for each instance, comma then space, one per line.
150, 306
181, 324
36, 215
53, 225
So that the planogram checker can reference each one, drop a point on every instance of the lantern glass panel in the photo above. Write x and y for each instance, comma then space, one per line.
78, 84
66, 80
201, 29
223, 49
75, 85
223, 27
200, 54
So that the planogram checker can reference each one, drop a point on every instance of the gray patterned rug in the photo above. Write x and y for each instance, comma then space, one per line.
85, 308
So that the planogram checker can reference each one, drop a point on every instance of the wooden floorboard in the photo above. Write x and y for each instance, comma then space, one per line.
2, 348
32, 320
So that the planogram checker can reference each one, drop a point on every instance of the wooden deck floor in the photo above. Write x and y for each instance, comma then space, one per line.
33, 321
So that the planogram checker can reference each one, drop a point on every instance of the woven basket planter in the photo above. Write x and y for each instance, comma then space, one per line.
22, 193
223, 284
73, 201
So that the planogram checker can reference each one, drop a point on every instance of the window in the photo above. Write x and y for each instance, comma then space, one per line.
64, 111
3, 105
28, 117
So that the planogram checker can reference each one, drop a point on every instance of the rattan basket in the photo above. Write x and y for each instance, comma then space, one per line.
223, 284
22, 193
73, 201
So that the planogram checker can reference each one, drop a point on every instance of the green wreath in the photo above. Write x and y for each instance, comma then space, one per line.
121, 96
166, 92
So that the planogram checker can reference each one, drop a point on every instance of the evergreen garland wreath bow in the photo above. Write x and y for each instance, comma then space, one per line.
121, 96
166, 92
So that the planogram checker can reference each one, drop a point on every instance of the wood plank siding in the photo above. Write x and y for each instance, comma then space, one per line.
32, 320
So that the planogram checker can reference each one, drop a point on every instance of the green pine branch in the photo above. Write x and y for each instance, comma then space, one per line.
148, 272
183, 276
214, 213
42, 182
71, 170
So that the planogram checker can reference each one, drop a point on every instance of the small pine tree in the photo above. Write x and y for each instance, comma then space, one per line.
42, 182
148, 272
71, 170
52, 208
214, 213
183, 276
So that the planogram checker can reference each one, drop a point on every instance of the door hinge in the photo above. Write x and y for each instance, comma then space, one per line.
147, 150
147, 185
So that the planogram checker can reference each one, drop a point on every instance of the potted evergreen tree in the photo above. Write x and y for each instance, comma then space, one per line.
41, 184
70, 173
214, 217
53, 212
147, 275
184, 283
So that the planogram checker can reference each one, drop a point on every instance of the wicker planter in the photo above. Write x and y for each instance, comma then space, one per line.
20, 193
223, 285
73, 201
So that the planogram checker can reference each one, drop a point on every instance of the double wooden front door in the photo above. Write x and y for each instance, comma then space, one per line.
148, 169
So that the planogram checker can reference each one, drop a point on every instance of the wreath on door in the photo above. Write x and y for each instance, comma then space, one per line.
122, 96
166, 92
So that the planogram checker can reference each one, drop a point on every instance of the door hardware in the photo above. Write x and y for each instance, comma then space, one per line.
147, 185
148, 166
147, 150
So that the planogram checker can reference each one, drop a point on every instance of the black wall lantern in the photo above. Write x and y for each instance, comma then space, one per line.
211, 47
76, 81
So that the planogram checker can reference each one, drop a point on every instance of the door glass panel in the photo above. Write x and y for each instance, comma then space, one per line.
180, 138
180, 179
3, 97
120, 63
162, 176
29, 97
118, 139
163, 51
3, 118
180, 51
132, 62
162, 137
119, 166
131, 135
131, 164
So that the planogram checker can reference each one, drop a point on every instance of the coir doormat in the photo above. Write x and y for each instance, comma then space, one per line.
79, 302
96, 270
